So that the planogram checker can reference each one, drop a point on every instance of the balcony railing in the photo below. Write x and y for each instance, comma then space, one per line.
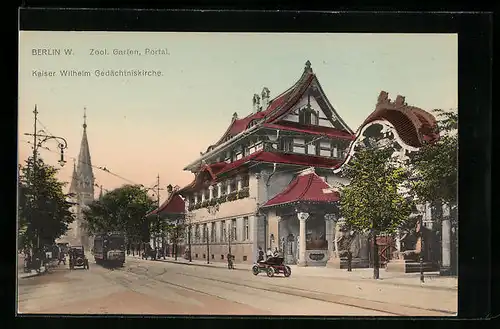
233, 196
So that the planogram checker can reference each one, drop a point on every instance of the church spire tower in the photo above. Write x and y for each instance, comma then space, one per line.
85, 173
82, 187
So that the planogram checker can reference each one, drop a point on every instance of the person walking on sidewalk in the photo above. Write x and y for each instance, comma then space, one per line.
61, 258
260, 257
230, 264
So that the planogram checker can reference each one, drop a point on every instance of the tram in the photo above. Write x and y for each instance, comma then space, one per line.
109, 248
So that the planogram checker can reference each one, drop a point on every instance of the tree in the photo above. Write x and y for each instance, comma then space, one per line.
435, 164
372, 202
434, 169
44, 212
122, 209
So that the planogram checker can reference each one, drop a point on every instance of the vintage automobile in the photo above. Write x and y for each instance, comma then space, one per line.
273, 265
77, 258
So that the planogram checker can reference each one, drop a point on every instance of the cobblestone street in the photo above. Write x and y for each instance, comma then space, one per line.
149, 287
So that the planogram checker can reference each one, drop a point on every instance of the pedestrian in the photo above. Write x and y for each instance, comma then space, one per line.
230, 264
349, 261
260, 257
62, 258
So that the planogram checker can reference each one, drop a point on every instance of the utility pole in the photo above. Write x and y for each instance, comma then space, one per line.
158, 212
188, 216
208, 245
422, 278
35, 150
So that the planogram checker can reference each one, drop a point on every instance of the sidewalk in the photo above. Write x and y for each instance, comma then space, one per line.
432, 279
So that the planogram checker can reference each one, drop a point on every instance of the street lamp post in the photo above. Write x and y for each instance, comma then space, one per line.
208, 245
422, 278
189, 241
39, 138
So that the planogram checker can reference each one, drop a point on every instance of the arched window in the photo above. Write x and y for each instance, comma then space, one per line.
307, 116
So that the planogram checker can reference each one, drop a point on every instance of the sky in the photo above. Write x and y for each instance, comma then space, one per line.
143, 126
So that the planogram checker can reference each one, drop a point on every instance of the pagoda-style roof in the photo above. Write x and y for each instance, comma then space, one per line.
211, 173
174, 205
307, 187
278, 108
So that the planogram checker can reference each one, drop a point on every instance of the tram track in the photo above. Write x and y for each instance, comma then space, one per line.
360, 303
338, 299
155, 277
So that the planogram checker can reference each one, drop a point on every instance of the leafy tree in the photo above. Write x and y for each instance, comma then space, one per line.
372, 202
435, 165
122, 209
44, 212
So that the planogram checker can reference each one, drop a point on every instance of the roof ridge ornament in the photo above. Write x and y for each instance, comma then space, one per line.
307, 67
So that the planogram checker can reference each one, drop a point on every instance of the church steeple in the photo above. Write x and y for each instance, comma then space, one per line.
84, 171
73, 188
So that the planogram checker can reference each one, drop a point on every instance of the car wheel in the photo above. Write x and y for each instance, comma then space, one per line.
270, 272
287, 271
255, 270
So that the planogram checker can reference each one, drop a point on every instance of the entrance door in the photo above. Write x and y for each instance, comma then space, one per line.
386, 247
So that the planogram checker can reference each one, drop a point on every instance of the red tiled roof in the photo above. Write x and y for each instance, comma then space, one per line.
278, 106
263, 156
306, 187
173, 205
314, 130
239, 125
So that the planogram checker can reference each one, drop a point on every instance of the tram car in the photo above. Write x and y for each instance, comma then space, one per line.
109, 249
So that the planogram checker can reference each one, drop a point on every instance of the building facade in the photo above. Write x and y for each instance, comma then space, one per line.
256, 159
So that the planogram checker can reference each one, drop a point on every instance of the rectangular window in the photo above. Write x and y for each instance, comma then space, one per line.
245, 181
223, 231
212, 233
246, 226
234, 235
205, 232
223, 188
197, 233
233, 185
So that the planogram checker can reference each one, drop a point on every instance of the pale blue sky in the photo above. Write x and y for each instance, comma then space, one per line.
141, 126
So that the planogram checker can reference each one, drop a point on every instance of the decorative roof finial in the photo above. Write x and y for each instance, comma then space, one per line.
308, 66
84, 118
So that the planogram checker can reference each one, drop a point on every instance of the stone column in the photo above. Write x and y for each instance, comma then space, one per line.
329, 234
303, 216
210, 192
446, 241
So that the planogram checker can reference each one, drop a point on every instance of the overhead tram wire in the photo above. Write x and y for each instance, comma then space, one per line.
93, 166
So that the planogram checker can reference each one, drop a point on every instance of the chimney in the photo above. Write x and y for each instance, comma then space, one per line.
265, 98
256, 103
